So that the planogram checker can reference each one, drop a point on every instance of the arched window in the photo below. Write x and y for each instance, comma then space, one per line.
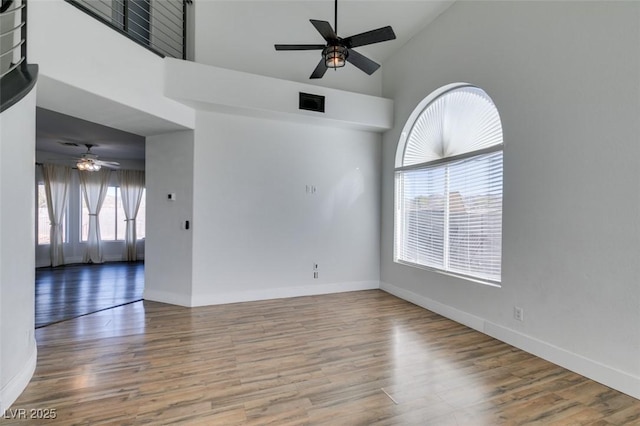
448, 185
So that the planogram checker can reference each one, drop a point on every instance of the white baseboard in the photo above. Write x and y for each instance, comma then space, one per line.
446, 311
616, 379
12, 389
43, 263
105, 258
282, 292
167, 297
609, 376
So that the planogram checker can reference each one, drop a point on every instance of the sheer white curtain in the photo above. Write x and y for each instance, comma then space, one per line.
94, 188
56, 188
131, 187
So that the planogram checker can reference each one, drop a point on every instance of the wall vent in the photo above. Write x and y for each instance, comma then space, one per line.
311, 102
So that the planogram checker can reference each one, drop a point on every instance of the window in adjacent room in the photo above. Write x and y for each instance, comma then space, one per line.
112, 217
140, 218
448, 186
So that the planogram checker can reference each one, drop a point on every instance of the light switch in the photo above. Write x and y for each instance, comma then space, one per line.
171, 196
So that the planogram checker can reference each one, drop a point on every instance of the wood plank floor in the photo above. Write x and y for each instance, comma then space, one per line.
71, 291
358, 358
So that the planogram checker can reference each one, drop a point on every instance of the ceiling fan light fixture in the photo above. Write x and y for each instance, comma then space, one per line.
88, 166
339, 50
335, 56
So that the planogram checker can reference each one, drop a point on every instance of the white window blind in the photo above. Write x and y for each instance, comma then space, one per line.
449, 187
460, 121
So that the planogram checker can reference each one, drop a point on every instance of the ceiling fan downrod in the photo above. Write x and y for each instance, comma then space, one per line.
335, 18
337, 50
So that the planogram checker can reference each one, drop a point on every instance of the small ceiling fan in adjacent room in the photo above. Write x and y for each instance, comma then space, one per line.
89, 161
337, 51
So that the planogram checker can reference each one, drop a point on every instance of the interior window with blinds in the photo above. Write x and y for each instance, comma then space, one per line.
449, 186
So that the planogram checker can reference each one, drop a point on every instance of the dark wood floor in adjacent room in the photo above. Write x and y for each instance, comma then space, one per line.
358, 358
70, 291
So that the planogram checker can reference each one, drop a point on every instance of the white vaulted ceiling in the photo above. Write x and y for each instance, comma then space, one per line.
240, 35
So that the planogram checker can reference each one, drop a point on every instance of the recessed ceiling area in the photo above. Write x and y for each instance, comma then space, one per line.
56, 132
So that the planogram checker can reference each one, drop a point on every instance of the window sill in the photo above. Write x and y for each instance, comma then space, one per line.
496, 284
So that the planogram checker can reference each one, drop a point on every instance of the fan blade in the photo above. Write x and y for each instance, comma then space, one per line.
325, 30
320, 69
109, 164
300, 46
362, 62
370, 37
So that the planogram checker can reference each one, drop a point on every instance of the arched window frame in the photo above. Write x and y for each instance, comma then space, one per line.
491, 241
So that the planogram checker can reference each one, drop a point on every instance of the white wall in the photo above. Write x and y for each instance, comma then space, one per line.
564, 77
217, 89
92, 72
257, 232
168, 262
18, 350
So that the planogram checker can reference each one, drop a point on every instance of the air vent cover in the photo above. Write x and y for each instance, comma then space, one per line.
311, 102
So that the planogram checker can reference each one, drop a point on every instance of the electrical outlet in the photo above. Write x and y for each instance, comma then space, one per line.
315, 266
315, 275
518, 313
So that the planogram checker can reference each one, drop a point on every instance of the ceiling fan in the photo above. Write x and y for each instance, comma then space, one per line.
89, 161
338, 49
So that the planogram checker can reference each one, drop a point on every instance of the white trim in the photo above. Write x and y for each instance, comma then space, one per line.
80, 259
454, 314
609, 376
167, 297
282, 292
14, 387
490, 283
452, 159
594, 370
74, 260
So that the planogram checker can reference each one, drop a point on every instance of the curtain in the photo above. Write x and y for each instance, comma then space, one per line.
56, 185
94, 188
131, 188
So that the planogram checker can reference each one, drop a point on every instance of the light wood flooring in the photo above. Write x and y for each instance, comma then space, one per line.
71, 291
360, 358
